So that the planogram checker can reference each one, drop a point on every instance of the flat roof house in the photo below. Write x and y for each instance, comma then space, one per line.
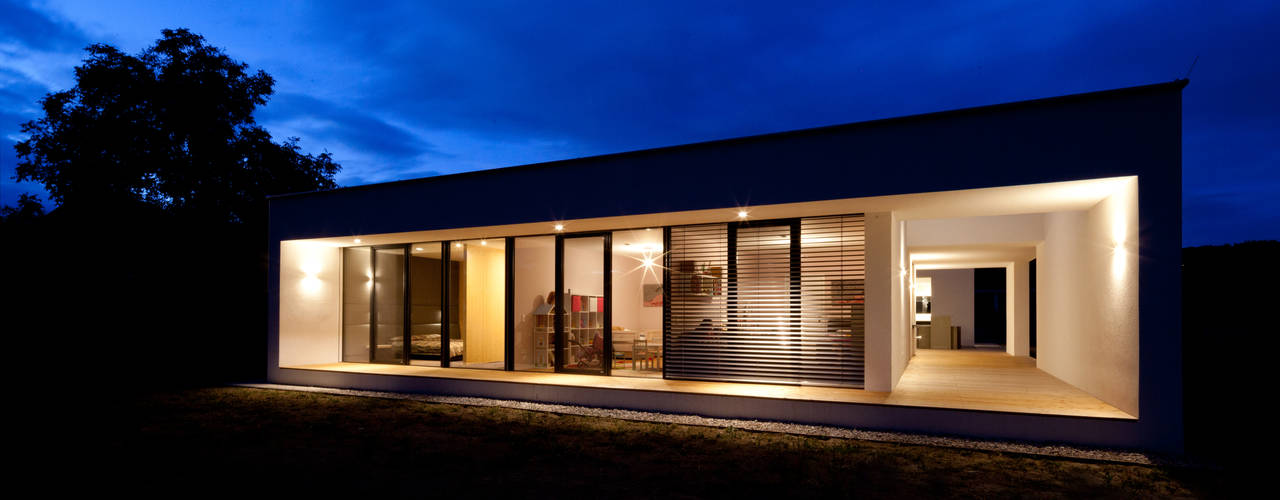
822, 276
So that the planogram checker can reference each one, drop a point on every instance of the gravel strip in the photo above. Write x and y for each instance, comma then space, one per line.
1091, 454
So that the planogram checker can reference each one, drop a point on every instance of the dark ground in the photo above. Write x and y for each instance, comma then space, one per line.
208, 441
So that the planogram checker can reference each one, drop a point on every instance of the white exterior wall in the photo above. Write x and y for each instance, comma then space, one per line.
310, 303
903, 338
1087, 299
879, 302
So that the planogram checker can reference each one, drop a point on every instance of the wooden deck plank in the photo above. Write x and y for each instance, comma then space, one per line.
964, 379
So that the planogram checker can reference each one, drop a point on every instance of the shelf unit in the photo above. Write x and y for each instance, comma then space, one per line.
584, 323
544, 332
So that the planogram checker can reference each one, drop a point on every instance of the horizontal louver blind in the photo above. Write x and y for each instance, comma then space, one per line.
776, 303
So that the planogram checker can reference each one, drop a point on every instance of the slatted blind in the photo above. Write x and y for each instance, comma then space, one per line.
774, 302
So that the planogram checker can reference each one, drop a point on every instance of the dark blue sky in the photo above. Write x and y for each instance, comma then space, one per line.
408, 89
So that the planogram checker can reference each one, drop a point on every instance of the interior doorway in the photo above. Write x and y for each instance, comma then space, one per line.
989, 307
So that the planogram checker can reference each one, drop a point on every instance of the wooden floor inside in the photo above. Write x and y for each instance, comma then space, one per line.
963, 379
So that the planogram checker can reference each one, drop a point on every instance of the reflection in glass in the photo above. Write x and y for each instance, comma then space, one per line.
584, 349
637, 303
480, 295
425, 303
357, 283
388, 295
535, 284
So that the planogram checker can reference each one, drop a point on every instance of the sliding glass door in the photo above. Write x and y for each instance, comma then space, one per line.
374, 292
583, 326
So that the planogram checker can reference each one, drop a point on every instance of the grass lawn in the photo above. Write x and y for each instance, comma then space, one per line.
235, 440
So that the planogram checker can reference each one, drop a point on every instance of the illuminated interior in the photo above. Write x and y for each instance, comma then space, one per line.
1083, 233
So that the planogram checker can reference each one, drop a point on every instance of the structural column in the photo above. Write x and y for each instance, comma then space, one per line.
887, 351
1017, 282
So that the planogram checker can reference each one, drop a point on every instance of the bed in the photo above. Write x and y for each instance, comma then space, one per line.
425, 339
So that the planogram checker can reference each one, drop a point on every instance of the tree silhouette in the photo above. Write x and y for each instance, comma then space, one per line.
171, 127
155, 253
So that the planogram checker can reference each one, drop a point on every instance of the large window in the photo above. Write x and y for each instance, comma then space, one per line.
426, 304
481, 302
534, 264
771, 301
357, 290
637, 303
774, 301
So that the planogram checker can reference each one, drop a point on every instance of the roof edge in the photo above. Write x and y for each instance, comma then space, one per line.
1177, 84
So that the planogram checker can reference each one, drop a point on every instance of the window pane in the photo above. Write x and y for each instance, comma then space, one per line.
481, 302
357, 283
637, 303
584, 348
388, 290
425, 301
535, 284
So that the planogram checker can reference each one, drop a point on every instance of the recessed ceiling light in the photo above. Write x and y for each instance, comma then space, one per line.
559, 227
742, 214
357, 240
418, 249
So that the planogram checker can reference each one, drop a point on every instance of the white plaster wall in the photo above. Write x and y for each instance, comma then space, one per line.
1087, 298
310, 304
902, 314
629, 278
953, 296
879, 302
976, 230
1017, 313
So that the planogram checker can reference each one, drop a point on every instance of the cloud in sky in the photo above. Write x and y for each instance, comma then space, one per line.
406, 89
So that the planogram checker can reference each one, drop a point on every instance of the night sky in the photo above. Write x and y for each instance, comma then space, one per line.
399, 90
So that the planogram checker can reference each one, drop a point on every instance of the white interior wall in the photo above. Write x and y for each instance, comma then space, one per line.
1087, 299
953, 296
310, 303
629, 278
1017, 308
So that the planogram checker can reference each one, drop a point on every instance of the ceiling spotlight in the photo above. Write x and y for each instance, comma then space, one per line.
357, 240
742, 214
559, 227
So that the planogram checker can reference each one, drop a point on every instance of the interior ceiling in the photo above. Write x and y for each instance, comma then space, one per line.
970, 256
1008, 200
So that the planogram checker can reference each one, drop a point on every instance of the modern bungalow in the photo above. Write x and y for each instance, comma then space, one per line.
822, 276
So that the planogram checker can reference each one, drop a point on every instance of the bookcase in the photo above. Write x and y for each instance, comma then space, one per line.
583, 322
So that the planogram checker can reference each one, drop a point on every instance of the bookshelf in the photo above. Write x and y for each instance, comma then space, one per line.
583, 322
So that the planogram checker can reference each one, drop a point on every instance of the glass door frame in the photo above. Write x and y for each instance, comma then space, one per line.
561, 308
373, 304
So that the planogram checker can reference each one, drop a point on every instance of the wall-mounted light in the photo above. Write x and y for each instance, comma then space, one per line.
484, 242
457, 245
310, 282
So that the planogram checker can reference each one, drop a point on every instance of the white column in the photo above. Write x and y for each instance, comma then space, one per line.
1017, 313
879, 301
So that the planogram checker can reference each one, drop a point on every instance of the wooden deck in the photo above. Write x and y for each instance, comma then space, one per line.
966, 379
